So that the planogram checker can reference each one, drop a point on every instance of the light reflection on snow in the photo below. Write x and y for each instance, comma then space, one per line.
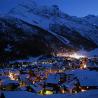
73, 55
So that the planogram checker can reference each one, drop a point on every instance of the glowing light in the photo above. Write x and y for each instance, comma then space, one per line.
74, 55
85, 66
48, 92
63, 91
11, 76
83, 90
77, 56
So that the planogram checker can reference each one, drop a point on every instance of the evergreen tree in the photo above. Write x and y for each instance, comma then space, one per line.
2, 95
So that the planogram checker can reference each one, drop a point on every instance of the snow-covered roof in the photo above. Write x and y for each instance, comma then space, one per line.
1, 70
14, 71
92, 64
53, 78
36, 87
86, 77
7, 82
47, 65
69, 85
4, 77
23, 88
23, 76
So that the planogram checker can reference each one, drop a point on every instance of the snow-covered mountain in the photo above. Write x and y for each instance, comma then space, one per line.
91, 19
45, 16
33, 28
20, 39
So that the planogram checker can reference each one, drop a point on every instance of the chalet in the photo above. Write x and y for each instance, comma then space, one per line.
35, 88
9, 85
92, 65
84, 80
23, 79
54, 81
68, 87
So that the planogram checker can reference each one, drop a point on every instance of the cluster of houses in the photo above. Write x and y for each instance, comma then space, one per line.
62, 75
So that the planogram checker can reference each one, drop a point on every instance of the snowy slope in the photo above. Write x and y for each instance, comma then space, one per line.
93, 53
20, 38
92, 19
43, 16
54, 28
31, 13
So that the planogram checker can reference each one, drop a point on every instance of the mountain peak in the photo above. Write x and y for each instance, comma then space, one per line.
90, 16
92, 19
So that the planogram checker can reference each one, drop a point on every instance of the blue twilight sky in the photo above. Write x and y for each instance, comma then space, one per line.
71, 7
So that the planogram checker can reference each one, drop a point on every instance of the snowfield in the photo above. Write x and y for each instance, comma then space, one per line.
24, 94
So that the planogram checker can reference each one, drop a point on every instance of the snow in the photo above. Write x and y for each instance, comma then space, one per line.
75, 23
63, 39
87, 94
24, 94
53, 79
24, 10
4, 78
23, 77
92, 19
92, 64
39, 22
93, 53
85, 77
18, 94
7, 82
32, 13
70, 85
47, 65
36, 87
28, 60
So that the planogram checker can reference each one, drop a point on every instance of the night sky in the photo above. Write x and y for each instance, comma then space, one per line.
72, 7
